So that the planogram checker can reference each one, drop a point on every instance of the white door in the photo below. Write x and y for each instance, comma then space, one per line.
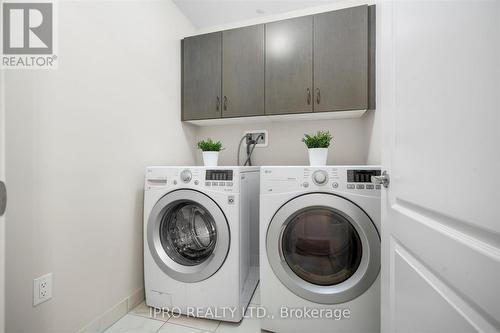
2, 202
439, 93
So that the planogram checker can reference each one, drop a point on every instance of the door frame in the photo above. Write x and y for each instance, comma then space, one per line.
2, 218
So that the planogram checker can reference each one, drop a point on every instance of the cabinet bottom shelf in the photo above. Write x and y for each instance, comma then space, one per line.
279, 118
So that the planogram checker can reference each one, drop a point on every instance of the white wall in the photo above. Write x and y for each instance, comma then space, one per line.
357, 141
208, 13
78, 140
350, 144
329, 6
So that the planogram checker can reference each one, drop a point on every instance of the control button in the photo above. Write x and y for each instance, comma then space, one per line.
305, 184
196, 182
208, 183
230, 199
370, 187
222, 184
215, 183
320, 177
378, 187
175, 182
360, 187
229, 183
335, 185
351, 186
186, 176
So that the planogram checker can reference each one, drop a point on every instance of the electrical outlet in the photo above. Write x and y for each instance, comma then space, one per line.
42, 289
262, 142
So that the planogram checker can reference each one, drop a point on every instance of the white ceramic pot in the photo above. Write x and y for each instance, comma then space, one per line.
210, 158
318, 156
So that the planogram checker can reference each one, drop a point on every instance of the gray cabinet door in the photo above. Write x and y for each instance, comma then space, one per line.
243, 72
289, 66
341, 60
202, 74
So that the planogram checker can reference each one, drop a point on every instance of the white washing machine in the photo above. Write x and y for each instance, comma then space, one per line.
201, 240
320, 249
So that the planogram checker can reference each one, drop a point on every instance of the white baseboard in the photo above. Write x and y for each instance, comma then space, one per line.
113, 314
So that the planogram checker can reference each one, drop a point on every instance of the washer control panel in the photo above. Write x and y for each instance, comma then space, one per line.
219, 178
224, 180
186, 176
221, 175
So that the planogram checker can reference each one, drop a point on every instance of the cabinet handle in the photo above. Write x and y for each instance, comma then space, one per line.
318, 96
217, 104
225, 103
308, 96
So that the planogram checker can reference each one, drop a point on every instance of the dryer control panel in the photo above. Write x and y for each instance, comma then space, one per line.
356, 179
361, 176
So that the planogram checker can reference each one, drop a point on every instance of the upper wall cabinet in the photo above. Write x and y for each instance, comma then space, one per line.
307, 65
243, 72
289, 66
201, 74
341, 60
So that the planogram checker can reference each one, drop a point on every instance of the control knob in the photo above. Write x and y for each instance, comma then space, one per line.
320, 177
186, 176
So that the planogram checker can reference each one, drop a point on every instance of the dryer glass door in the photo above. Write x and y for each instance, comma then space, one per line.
321, 246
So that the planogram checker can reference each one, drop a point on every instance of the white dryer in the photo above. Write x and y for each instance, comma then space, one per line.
320, 249
201, 239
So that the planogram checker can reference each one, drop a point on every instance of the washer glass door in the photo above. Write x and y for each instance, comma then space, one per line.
323, 248
188, 235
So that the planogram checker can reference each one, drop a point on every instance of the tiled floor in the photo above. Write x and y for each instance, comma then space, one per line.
139, 320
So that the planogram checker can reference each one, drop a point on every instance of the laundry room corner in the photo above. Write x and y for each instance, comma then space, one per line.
249, 166
373, 135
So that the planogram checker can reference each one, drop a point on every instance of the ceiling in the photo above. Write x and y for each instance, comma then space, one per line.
208, 13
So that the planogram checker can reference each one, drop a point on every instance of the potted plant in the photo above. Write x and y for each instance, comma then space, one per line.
210, 150
318, 147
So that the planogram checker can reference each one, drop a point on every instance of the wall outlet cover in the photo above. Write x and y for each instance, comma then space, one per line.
42, 289
255, 133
